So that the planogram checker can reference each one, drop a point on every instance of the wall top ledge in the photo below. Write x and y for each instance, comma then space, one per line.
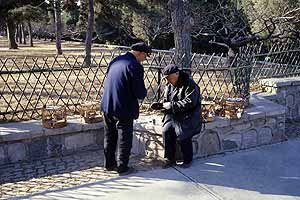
280, 82
13, 131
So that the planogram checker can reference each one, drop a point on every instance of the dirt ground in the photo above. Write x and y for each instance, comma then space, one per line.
42, 47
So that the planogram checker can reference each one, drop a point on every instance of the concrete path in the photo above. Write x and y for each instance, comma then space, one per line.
269, 172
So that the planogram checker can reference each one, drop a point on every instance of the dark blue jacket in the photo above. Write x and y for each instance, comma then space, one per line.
124, 85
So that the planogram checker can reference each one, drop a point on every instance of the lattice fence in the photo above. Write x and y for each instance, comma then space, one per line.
274, 60
29, 83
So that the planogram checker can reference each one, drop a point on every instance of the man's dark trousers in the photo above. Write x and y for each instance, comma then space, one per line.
114, 128
170, 139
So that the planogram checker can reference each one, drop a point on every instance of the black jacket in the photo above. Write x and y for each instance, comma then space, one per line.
124, 85
185, 111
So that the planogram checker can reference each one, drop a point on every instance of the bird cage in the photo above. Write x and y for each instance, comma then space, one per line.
90, 112
54, 116
208, 111
234, 107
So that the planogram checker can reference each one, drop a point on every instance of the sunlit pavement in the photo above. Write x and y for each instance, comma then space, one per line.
268, 172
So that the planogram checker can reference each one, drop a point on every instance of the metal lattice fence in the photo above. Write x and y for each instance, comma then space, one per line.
29, 83
274, 60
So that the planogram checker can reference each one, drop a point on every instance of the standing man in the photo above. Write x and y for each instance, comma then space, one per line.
123, 87
181, 106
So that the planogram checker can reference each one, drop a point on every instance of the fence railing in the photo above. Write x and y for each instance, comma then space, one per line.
29, 83
274, 60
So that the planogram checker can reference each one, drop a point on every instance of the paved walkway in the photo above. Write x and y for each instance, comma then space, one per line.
58, 173
269, 172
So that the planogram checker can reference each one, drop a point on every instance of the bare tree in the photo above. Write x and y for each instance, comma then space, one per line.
182, 24
225, 25
154, 27
89, 33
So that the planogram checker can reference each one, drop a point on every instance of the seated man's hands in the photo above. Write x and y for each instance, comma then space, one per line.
156, 106
161, 106
167, 105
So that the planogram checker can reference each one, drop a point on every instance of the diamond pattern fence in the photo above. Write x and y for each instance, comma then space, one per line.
29, 83
274, 60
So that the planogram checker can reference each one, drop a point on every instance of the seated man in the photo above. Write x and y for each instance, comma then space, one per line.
181, 106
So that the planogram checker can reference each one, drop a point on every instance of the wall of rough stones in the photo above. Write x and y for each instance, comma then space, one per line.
262, 123
29, 141
286, 92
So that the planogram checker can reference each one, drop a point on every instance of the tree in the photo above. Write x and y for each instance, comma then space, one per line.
71, 9
11, 33
282, 17
89, 33
27, 13
8, 16
151, 22
83, 16
235, 24
31, 14
58, 25
182, 24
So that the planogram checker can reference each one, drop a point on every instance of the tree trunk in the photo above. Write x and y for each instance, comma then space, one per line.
17, 33
58, 26
89, 33
53, 24
11, 34
182, 25
23, 33
30, 34
20, 34
51, 14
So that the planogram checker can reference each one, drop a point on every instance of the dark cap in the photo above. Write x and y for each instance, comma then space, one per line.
142, 47
170, 69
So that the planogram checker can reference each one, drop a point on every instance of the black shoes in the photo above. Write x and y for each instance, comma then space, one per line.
122, 171
172, 163
186, 164
112, 168
168, 164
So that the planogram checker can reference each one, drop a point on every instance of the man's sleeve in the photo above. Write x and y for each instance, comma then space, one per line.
166, 94
192, 98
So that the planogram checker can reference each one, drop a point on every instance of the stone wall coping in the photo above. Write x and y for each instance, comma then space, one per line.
280, 82
15, 131
263, 105
259, 108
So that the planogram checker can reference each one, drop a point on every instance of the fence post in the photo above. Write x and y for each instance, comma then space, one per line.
158, 84
159, 77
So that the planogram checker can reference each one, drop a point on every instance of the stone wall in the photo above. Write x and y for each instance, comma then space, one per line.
262, 123
26, 141
286, 92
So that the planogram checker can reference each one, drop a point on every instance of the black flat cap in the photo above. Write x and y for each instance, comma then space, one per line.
170, 69
142, 47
